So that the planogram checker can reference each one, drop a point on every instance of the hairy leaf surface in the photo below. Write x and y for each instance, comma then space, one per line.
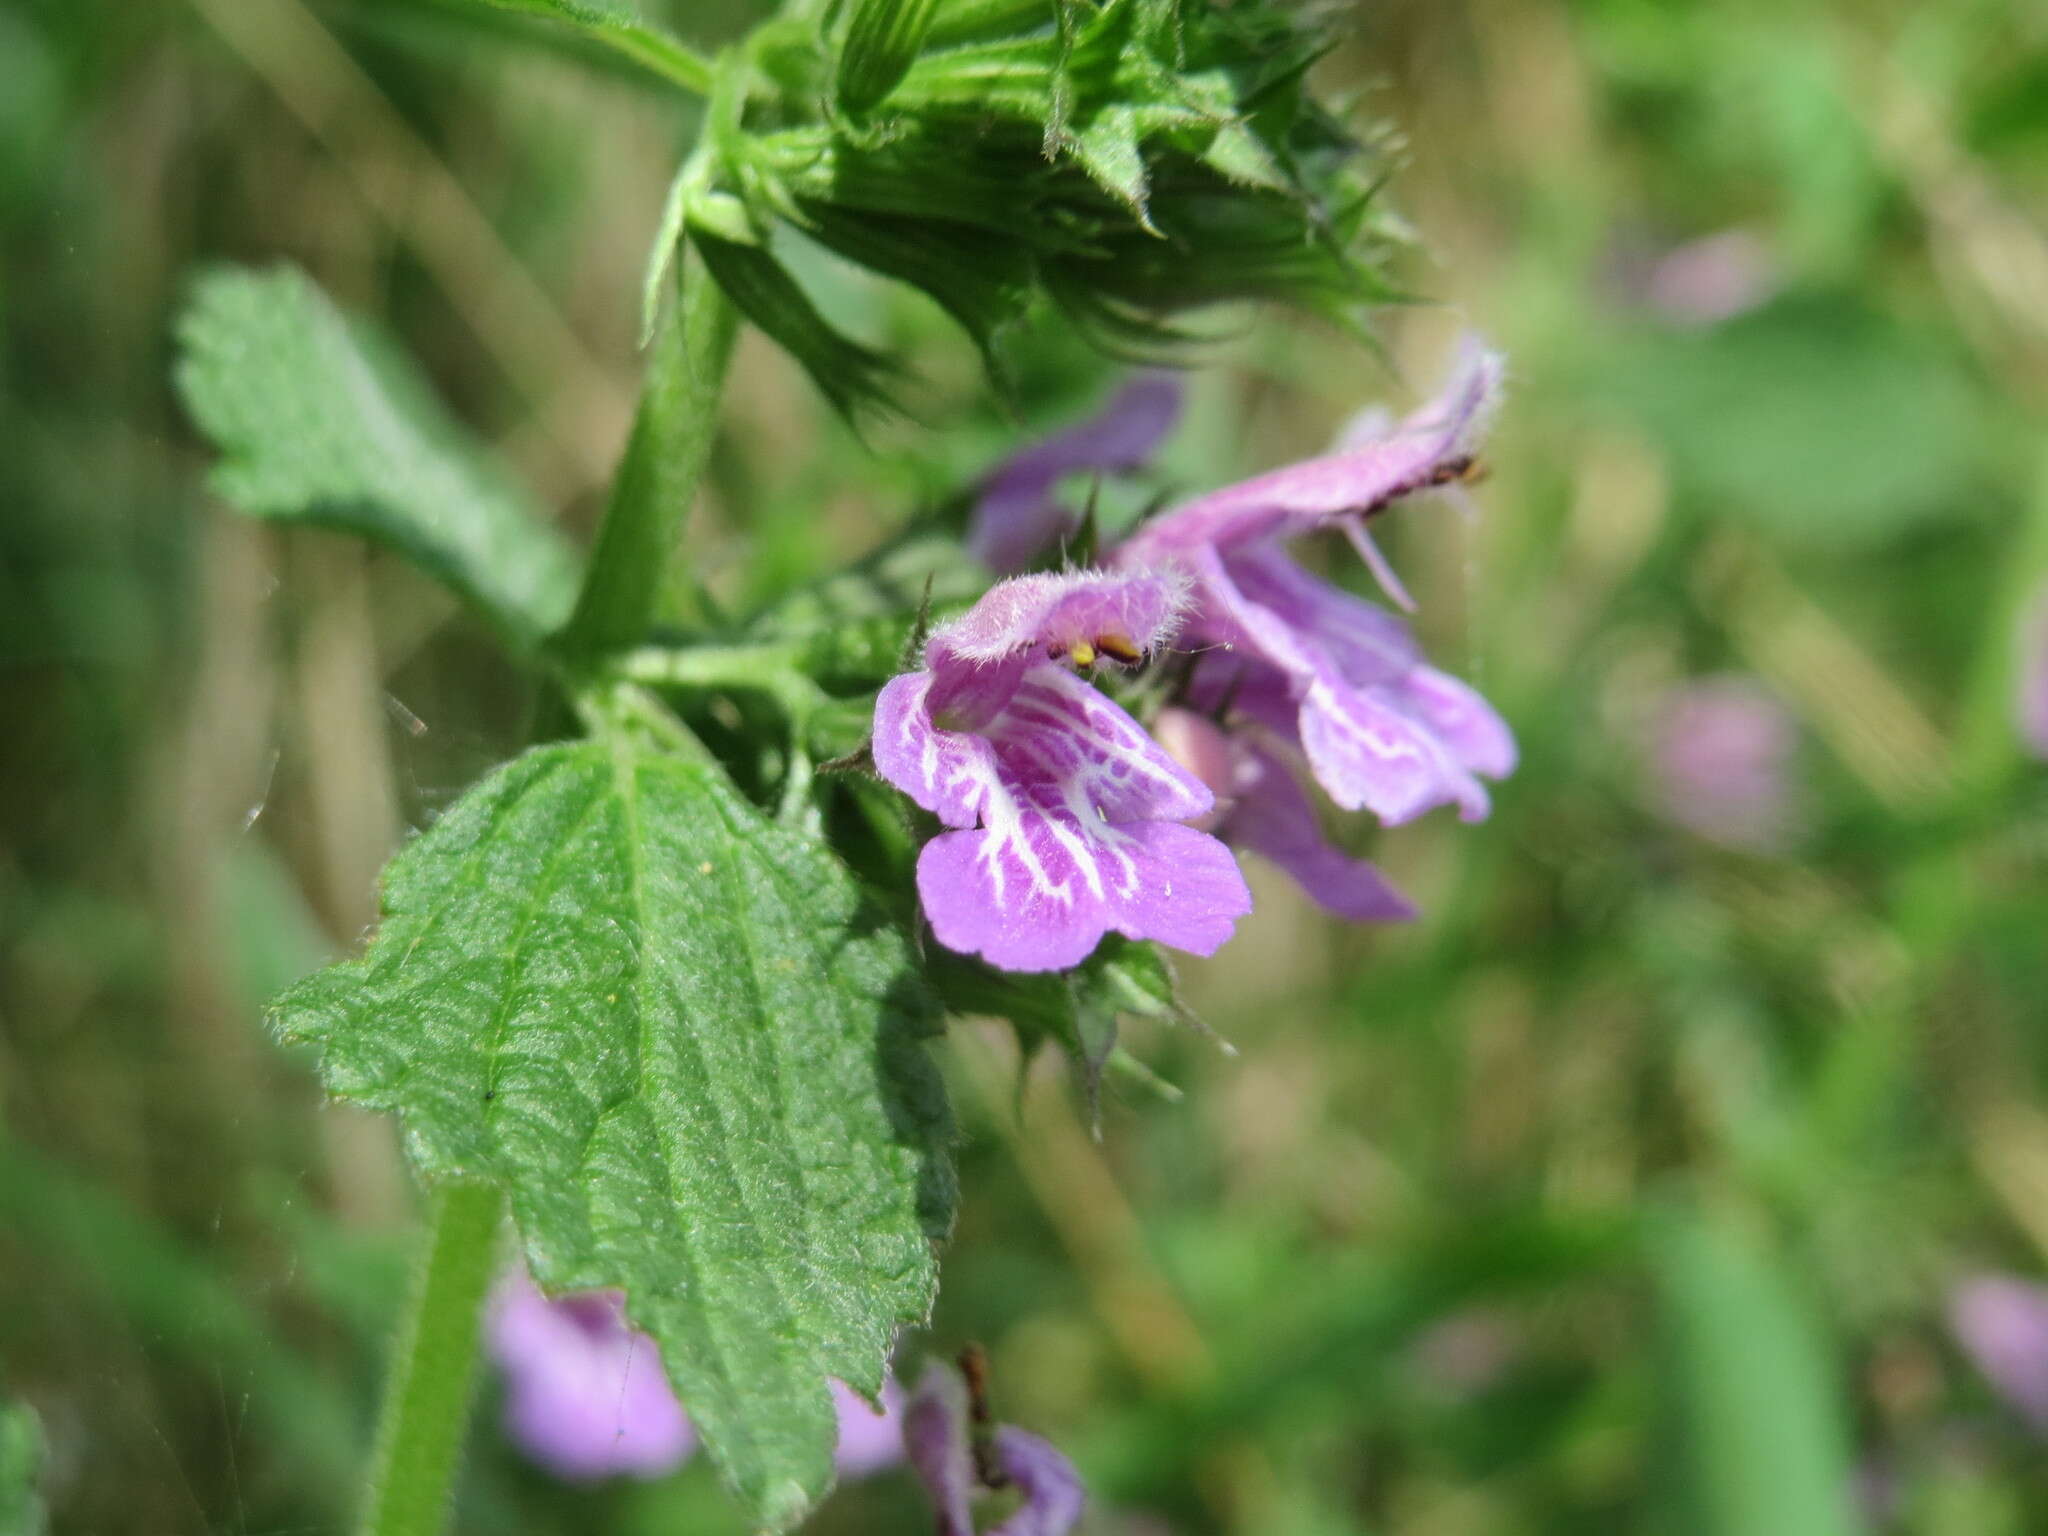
320, 419
695, 1061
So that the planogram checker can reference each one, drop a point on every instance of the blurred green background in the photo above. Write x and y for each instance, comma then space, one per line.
1623, 1191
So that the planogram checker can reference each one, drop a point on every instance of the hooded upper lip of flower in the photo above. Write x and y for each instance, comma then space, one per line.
1331, 672
1067, 812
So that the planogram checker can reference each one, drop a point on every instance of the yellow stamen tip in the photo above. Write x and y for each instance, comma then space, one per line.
1083, 653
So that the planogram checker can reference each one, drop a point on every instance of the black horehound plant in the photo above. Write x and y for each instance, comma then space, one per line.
680, 1029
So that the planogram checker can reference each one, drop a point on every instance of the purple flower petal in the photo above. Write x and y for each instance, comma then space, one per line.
1425, 449
1198, 744
936, 1436
2002, 1323
1272, 817
1369, 753
1367, 712
869, 1442
1077, 807
1071, 748
1017, 515
1476, 737
585, 1395
1060, 610
1038, 892
1053, 1497
935, 1439
1368, 644
949, 773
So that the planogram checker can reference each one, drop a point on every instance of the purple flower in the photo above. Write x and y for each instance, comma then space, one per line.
1067, 812
1016, 515
1318, 668
869, 1442
2002, 1324
586, 1396
1712, 279
1262, 806
2033, 688
939, 1439
1722, 754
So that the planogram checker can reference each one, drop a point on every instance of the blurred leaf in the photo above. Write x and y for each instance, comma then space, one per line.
320, 420
21, 1460
115, 1262
1761, 1442
273, 936
1811, 418
694, 1060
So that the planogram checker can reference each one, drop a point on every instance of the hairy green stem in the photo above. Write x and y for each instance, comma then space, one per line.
770, 668
657, 479
426, 1396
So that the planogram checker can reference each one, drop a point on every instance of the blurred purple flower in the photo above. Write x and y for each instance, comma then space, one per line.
1712, 279
1066, 813
586, 1396
2033, 680
2002, 1324
1722, 750
939, 1440
869, 1442
1016, 515
1467, 1352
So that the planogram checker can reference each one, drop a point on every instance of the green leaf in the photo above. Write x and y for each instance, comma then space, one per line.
849, 374
1815, 419
104, 1264
695, 1061
320, 420
1758, 1419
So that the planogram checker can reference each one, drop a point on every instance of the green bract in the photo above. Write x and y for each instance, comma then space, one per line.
694, 1060
1128, 160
